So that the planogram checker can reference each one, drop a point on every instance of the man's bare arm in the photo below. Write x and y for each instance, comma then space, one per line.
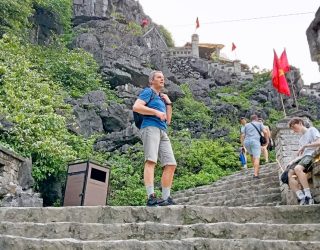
140, 107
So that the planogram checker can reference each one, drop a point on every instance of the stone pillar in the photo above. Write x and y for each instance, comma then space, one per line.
195, 45
237, 67
287, 146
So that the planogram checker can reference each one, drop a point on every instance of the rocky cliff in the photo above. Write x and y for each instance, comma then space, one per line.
127, 53
313, 34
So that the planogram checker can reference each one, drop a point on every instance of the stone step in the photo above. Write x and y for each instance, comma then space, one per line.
157, 231
235, 193
272, 181
273, 168
243, 179
8, 242
179, 214
233, 202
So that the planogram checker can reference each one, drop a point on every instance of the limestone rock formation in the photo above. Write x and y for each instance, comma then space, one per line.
313, 34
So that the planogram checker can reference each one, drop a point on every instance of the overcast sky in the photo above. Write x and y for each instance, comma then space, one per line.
254, 39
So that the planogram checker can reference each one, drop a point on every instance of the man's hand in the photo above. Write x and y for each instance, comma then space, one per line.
301, 150
162, 116
165, 98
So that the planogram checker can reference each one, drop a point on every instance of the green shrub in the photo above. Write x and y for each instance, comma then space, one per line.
62, 8
167, 36
135, 28
14, 15
187, 110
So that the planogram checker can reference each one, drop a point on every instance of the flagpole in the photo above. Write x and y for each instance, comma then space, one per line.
294, 93
284, 110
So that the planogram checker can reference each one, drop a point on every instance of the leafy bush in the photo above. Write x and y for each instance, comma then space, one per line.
76, 70
134, 28
202, 161
33, 99
188, 110
14, 15
62, 8
167, 36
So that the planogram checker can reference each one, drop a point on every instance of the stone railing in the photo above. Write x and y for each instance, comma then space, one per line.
287, 146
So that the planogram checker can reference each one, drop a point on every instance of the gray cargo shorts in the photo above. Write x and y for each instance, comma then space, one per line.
157, 143
305, 161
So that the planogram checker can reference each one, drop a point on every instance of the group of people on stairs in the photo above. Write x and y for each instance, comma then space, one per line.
255, 138
295, 172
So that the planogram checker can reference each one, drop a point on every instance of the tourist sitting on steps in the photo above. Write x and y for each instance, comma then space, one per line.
309, 141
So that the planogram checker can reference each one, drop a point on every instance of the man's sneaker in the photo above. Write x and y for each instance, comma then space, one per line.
167, 202
256, 177
302, 201
308, 201
152, 201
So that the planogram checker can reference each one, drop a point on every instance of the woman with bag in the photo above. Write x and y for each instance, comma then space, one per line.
252, 135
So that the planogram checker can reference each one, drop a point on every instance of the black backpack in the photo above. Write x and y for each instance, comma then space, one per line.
138, 118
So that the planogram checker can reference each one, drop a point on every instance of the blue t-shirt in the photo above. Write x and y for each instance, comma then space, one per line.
156, 103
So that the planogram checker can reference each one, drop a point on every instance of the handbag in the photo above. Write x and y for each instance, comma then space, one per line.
263, 140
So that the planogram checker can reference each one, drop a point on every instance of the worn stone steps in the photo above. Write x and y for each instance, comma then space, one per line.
235, 183
241, 192
239, 189
176, 215
271, 181
157, 231
18, 243
235, 213
250, 201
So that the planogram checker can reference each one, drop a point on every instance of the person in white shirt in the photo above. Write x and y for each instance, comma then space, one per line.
309, 141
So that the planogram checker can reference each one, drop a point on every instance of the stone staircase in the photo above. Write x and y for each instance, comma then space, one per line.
243, 224
239, 189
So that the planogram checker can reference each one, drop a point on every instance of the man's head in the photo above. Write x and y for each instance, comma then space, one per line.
242, 120
296, 124
156, 80
254, 118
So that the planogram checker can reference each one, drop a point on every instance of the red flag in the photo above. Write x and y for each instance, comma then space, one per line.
279, 80
144, 22
284, 61
233, 47
197, 23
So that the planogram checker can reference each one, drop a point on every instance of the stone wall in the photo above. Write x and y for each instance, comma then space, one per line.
312, 90
16, 181
180, 62
287, 146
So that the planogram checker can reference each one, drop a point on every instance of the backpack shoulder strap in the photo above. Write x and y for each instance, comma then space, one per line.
256, 128
153, 94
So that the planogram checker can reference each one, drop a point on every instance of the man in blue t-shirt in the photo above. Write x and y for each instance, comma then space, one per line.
157, 110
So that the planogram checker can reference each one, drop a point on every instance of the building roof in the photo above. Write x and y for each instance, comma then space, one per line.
212, 46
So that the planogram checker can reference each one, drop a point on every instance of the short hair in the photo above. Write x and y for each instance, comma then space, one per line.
254, 117
152, 74
294, 121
